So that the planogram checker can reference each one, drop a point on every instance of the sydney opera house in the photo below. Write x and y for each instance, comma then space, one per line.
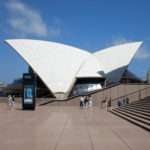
65, 70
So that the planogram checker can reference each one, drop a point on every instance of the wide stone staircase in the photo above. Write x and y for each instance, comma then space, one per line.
137, 113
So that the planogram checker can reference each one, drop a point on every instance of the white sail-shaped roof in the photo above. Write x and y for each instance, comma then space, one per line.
117, 56
56, 64
90, 68
59, 65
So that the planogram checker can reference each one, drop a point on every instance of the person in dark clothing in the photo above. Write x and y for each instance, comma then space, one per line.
124, 101
108, 105
81, 101
13, 100
127, 100
86, 101
119, 103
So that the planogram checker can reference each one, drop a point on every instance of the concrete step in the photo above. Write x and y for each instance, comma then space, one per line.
138, 111
134, 113
138, 123
140, 101
145, 121
143, 104
142, 107
139, 106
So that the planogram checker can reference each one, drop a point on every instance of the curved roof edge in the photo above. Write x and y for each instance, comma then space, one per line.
46, 58
60, 58
117, 56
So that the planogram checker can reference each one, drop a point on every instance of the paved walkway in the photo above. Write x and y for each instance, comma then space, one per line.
68, 128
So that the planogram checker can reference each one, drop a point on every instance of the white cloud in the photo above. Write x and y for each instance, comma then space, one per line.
25, 20
119, 40
55, 29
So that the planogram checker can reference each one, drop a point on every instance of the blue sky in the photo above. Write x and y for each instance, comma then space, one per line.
87, 24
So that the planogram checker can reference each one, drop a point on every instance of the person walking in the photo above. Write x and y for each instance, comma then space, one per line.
13, 101
86, 101
108, 106
90, 101
127, 100
10, 101
81, 101
119, 103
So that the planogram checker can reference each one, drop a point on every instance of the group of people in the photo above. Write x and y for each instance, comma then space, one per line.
123, 102
86, 101
11, 101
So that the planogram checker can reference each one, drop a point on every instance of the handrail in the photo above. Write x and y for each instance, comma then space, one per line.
99, 91
103, 89
129, 94
111, 86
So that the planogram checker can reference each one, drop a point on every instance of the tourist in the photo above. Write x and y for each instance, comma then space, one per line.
10, 103
108, 104
86, 101
124, 102
127, 100
81, 101
90, 101
119, 103
13, 100
103, 102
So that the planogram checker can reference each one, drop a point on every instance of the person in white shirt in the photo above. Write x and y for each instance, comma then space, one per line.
10, 103
90, 101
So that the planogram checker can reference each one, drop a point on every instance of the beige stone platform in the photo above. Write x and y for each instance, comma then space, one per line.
68, 128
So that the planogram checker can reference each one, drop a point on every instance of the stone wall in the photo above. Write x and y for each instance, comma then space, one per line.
110, 93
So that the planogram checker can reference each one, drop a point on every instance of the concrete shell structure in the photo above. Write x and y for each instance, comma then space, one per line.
117, 56
59, 65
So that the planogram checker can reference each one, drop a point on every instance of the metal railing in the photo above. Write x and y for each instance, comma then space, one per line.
132, 97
